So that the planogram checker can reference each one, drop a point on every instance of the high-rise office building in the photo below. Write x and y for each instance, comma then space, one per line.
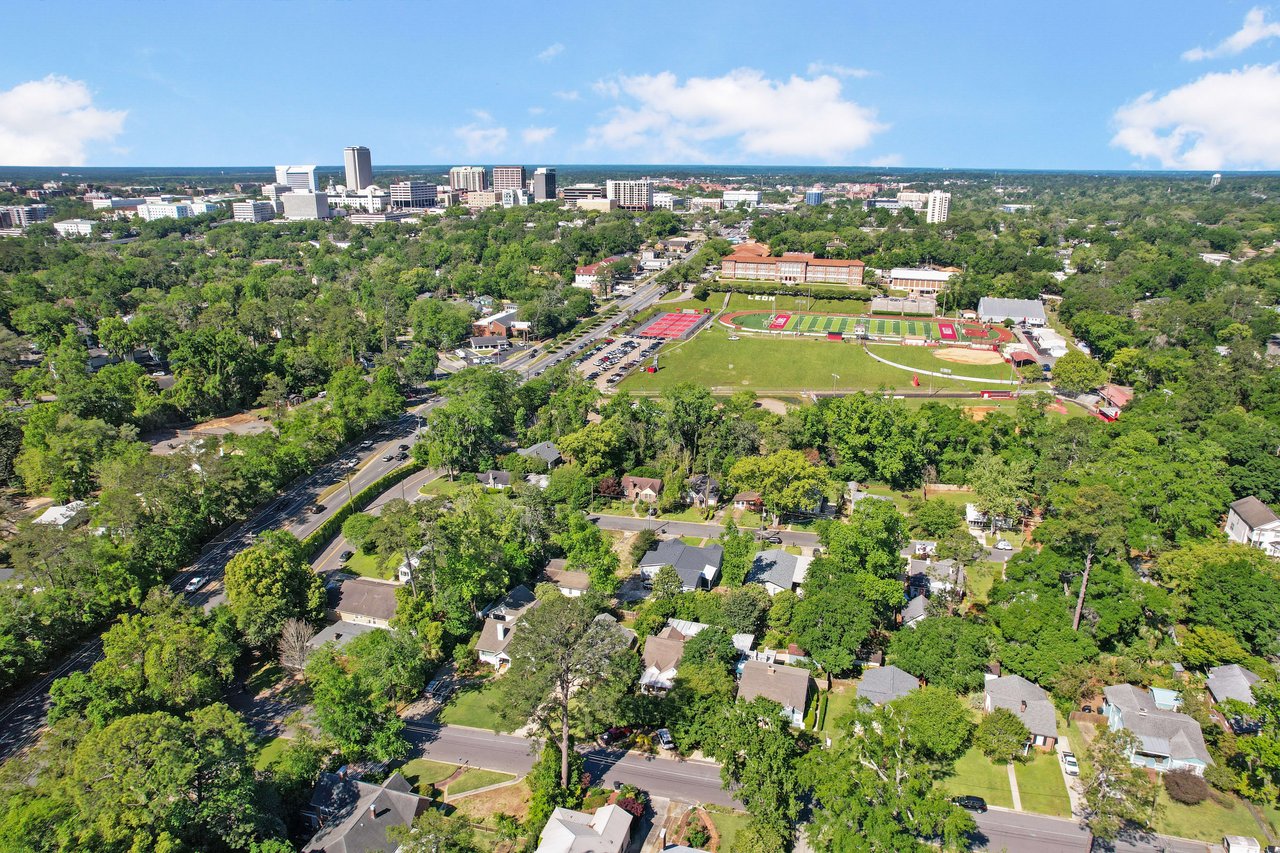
939, 207
577, 192
469, 178
359, 167
413, 194
305, 205
300, 179
813, 198
544, 184
631, 195
508, 178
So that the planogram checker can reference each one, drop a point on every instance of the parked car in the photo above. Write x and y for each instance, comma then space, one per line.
617, 734
195, 583
970, 803
1003, 545
345, 556
1070, 765
664, 739
401, 456
772, 539
403, 447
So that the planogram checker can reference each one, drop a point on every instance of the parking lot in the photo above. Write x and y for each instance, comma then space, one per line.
608, 363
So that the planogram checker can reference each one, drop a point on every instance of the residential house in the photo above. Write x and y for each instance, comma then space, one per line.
571, 584
544, 451
661, 658
697, 565
886, 683
64, 516
922, 548
1167, 739
1231, 682
980, 522
776, 570
1253, 523
353, 816
930, 577
500, 624
569, 831
741, 642
853, 495
501, 324
915, 611
588, 276
1117, 396
786, 685
1028, 702
364, 601
339, 633
495, 479
646, 489
702, 491
749, 501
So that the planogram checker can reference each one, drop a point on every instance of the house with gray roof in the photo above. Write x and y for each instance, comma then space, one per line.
915, 611
661, 658
883, 684
1028, 312
741, 642
569, 831
1167, 740
353, 816
786, 685
339, 633
1028, 702
495, 479
934, 577
570, 583
500, 624
544, 451
697, 565
1253, 523
776, 570
1231, 682
365, 601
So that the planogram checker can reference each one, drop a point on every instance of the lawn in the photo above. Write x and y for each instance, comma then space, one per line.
689, 513
422, 773
925, 359
482, 808
728, 825
264, 677
773, 365
1207, 821
841, 699
270, 752
440, 486
692, 540
476, 778
370, 566
744, 302
470, 707
976, 775
979, 579
1040, 785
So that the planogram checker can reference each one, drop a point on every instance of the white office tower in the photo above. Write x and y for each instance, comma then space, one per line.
413, 195
939, 206
359, 167
300, 179
630, 195
468, 178
274, 191
305, 205
253, 211
1215, 180
742, 198
508, 178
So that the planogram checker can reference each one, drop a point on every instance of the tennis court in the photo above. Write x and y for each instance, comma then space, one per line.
670, 326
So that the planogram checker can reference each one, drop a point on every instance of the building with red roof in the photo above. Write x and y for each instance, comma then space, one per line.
752, 262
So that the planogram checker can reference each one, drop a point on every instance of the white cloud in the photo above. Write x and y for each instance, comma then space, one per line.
839, 70
481, 115
886, 160
740, 116
49, 122
477, 139
551, 52
568, 95
535, 135
1223, 120
536, 111
1255, 29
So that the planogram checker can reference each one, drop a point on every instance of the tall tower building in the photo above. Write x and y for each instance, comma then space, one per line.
508, 178
469, 178
631, 195
359, 167
544, 184
939, 207
300, 179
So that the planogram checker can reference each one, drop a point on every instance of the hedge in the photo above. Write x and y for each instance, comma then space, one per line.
316, 539
769, 289
822, 712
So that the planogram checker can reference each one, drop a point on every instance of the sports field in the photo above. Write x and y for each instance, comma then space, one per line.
930, 329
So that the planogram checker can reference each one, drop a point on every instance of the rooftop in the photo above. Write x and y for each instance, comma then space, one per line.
786, 685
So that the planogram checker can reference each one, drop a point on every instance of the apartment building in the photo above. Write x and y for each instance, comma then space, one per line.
469, 178
631, 195
508, 178
939, 207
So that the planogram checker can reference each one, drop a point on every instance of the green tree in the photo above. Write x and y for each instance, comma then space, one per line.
434, 832
1116, 792
786, 480
937, 722
1076, 372
712, 645
757, 749
1000, 487
739, 549
269, 582
352, 711
1001, 736
666, 584
643, 542
745, 609
948, 651
701, 695
1086, 521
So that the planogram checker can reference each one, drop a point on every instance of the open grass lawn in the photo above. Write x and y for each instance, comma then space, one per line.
979, 580
689, 513
270, 752
1207, 821
422, 773
470, 707
477, 778
841, 699
976, 775
441, 486
924, 358
745, 302
728, 825
483, 808
767, 365
691, 540
1040, 785
370, 565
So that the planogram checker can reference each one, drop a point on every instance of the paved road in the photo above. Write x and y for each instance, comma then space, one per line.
407, 489
692, 781
691, 528
1025, 832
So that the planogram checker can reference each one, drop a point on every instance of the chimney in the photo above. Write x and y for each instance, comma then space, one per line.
502, 631
373, 812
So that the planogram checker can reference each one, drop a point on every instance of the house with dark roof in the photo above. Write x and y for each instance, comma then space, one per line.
500, 624
776, 570
495, 479
644, 489
915, 611
702, 491
339, 633
883, 684
787, 685
934, 577
1028, 702
544, 451
353, 816
1253, 523
364, 601
1167, 740
1231, 682
697, 565
661, 658
488, 344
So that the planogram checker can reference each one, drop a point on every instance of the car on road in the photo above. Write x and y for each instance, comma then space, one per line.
389, 457
365, 445
1003, 545
772, 539
970, 803
1070, 765
195, 583
664, 739
345, 556
403, 447
316, 509
401, 456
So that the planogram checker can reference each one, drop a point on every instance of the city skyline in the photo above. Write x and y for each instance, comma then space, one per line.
1111, 87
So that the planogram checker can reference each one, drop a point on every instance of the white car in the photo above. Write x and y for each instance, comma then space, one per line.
195, 583
1003, 545
1070, 764
665, 740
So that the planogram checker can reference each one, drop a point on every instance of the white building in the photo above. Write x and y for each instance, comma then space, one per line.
1253, 523
302, 205
913, 200
470, 178
358, 166
742, 198
371, 199
919, 282
64, 516
175, 209
516, 197
568, 831
630, 195
274, 191
115, 203
1030, 312
508, 178
74, 227
253, 211
939, 207
706, 204
483, 198
413, 194
668, 201
298, 178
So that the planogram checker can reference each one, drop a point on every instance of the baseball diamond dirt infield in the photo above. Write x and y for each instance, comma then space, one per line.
923, 328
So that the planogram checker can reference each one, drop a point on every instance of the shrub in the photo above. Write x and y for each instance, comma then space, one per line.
697, 836
1186, 787
1001, 736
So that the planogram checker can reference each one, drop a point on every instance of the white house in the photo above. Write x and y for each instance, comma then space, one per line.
568, 831
500, 624
1253, 523
64, 516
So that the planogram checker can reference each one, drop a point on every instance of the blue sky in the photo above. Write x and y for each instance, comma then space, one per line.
1105, 85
